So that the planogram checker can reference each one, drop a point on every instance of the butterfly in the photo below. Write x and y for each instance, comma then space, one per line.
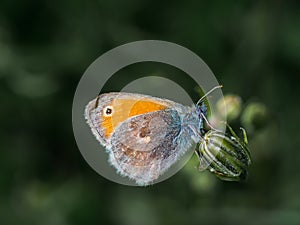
144, 135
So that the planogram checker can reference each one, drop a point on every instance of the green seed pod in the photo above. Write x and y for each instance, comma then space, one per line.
225, 155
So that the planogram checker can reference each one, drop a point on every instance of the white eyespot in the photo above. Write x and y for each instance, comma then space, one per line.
108, 111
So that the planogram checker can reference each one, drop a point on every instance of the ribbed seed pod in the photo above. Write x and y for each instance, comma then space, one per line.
225, 155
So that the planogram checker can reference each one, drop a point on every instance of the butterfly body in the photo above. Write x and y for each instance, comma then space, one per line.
143, 135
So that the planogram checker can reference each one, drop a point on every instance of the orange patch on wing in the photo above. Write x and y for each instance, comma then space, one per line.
142, 107
126, 108
107, 125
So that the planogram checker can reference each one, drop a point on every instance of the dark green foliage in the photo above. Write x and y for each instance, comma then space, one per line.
45, 46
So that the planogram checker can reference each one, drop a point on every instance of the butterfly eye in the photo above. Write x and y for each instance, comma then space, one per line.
108, 110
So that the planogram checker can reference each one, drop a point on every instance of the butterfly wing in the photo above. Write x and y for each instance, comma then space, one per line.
144, 135
145, 146
125, 106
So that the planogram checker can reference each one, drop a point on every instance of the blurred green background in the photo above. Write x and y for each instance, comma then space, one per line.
252, 47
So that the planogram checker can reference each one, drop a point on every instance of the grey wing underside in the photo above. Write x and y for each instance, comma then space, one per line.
145, 146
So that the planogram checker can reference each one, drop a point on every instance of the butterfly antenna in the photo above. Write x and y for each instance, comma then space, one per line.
204, 96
